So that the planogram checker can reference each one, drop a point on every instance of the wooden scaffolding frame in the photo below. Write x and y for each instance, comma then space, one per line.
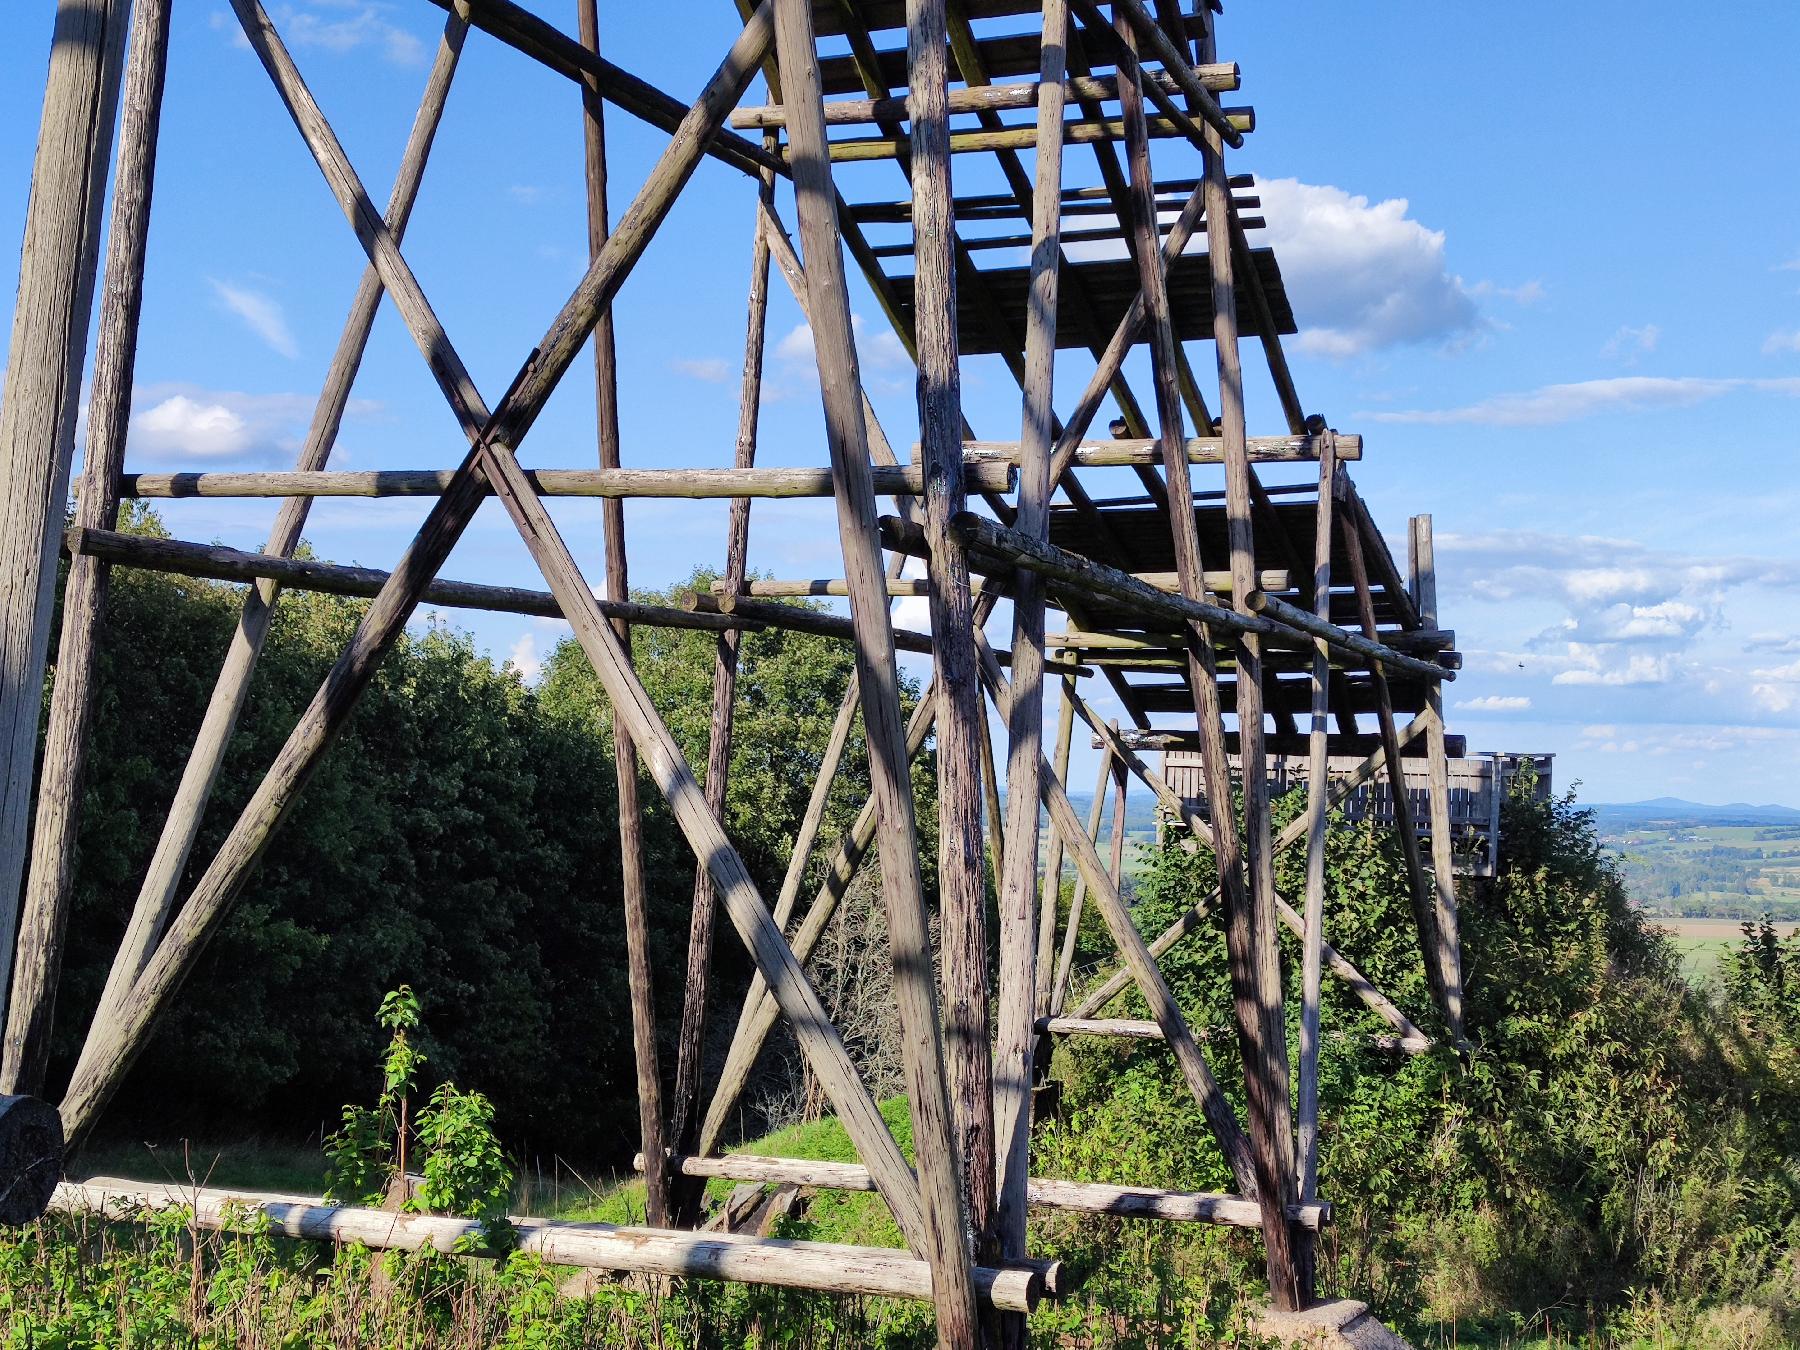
1250, 643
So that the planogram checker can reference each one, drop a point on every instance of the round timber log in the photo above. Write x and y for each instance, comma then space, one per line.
31, 1157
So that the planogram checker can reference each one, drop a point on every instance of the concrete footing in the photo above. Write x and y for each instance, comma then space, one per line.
1341, 1324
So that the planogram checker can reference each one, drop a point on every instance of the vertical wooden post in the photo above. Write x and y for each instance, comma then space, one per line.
1121, 784
1065, 963
1019, 978
962, 892
1050, 900
46, 907
157, 892
990, 797
684, 1112
1423, 562
43, 383
1250, 911
1318, 805
938, 1152
618, 587
1423, 899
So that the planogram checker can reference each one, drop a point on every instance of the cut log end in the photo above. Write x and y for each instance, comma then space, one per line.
31, 1158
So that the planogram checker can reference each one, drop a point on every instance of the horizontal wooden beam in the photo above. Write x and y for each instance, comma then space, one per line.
1110, 234
1219, 582
984, 473
979, 98
1339, 745
1107, 129
1002, 205
772, 614
1432, 641
1200, 450
826, 1266
1087, 1197
215, 562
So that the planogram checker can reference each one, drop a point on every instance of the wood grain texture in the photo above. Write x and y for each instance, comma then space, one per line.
42, 387
43, 915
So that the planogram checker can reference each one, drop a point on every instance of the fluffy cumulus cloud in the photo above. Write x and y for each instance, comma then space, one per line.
1495, 703
526, 659
181, 425
706, 369
1363, 275
1783, 343
1628, 616
260, 313
1554, 403
339, 27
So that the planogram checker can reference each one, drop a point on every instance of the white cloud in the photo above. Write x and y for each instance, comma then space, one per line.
1773, 642
527, 194
1362, 275
1494, 703
1555, 403
708, 369
525, 659
1597, 664
348, 26
261, 314
1630, 343
181, 426
172, 423
1782, 343
878, 351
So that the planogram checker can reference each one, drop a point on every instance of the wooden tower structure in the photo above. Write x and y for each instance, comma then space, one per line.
1238, 618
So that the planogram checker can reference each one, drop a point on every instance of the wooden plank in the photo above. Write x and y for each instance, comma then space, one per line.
941, 1234
157, 892
114, 1043
42, 389
691, 484
1200, 450
634, 886
44, 912
824, 1266
1048, 1193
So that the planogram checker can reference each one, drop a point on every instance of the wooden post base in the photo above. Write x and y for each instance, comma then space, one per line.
31, 1158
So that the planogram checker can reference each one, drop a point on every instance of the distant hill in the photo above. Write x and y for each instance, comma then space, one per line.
1676, 809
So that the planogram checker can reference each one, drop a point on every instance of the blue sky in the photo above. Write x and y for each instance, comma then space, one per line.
1551, 274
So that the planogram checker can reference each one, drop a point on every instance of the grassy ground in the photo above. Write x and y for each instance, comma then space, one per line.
1702, 942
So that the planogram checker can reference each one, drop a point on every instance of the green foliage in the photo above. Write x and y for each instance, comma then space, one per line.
466, 1171
359, 1157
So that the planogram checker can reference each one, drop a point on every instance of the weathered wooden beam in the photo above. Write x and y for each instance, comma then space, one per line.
157, 892
1423, 895
531, 36
1134, 1029
941, 1234
685, 1109
1318, 788
981, 98
1339, 746
828, 1267
1065, 962
43, 915
1176, 63
1015, 1042
608, 483
42, 389
1050, 898
658, 1206
1083, 132
215, 562
1423, 558
1050, 1193
1200, 450
112, 1045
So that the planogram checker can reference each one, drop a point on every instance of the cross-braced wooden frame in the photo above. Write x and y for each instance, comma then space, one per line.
1272, 629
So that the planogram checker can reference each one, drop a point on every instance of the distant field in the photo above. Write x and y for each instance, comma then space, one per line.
1702, 942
